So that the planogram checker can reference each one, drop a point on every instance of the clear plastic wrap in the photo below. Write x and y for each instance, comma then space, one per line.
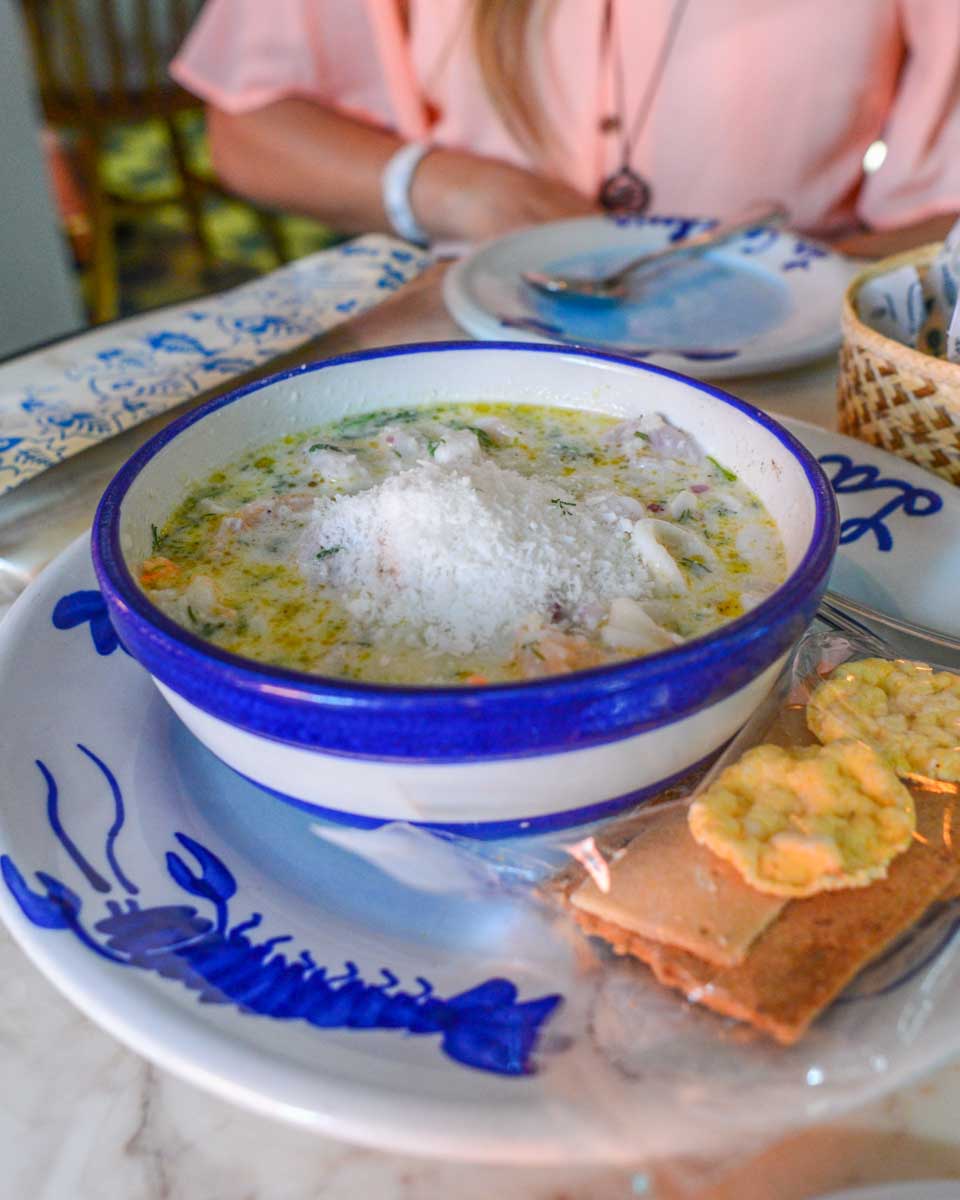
652, 1073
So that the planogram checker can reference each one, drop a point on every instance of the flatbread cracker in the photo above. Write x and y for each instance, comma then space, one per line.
907, 711
802, 962
665, 887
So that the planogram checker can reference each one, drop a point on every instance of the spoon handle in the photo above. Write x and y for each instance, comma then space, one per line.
855, 610
768, 214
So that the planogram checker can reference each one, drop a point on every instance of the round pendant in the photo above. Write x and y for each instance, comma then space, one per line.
625, 192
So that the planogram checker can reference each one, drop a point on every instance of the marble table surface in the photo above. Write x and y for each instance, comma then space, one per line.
83, 1118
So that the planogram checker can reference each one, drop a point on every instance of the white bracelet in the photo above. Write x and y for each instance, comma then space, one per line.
395, 182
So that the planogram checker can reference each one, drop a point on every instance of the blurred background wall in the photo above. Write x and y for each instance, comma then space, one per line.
39, 297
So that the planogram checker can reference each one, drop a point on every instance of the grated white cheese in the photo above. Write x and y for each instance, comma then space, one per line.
455, 558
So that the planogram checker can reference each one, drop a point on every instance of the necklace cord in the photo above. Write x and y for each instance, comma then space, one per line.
630, 137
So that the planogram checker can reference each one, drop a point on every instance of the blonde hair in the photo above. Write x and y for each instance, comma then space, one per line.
502, 39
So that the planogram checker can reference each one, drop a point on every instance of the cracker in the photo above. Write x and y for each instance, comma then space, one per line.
802, 962
665, 887
795, 822
907, 711
613, 835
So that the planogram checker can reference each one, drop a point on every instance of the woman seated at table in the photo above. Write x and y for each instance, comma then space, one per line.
462, 119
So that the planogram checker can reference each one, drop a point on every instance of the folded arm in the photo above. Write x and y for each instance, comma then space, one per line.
299, 156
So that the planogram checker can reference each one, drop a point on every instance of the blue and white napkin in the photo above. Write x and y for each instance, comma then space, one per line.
57, 401
919, 306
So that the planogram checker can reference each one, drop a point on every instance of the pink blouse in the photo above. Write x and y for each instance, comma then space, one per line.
760, 99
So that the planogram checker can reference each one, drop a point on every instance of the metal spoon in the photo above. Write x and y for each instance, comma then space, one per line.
614, 285
852, 612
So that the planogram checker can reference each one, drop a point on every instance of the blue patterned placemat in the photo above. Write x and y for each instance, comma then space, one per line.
58, 401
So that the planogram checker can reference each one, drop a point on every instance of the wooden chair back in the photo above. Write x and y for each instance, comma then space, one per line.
102, 61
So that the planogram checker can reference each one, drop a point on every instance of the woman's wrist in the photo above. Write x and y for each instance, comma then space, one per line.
439, 192
431, 191
459, 196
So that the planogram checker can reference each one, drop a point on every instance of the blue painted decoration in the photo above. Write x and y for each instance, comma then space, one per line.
177, 343
758, 241
485, 1027
803, 254
679, 228
850, 477
89, 605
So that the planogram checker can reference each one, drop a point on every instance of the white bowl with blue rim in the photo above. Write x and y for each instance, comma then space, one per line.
486, 761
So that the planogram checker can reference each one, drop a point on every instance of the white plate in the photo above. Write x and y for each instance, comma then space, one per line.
764, 301
899, 544
149, 842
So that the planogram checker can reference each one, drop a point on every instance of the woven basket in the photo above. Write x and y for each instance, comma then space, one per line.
894, 396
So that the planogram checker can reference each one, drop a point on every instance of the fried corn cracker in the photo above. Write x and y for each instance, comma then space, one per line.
907, 711
795, 822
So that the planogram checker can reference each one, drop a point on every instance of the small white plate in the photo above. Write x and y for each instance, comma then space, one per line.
764, 301
899, 543
133, 862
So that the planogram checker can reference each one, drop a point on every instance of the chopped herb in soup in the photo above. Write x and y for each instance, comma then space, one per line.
464, 544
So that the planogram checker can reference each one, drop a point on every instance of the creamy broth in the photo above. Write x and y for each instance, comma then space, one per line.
464, 544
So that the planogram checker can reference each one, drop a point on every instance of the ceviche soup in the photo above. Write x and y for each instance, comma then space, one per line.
464, 544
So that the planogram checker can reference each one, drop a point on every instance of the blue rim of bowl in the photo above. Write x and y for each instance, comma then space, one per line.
279, 687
